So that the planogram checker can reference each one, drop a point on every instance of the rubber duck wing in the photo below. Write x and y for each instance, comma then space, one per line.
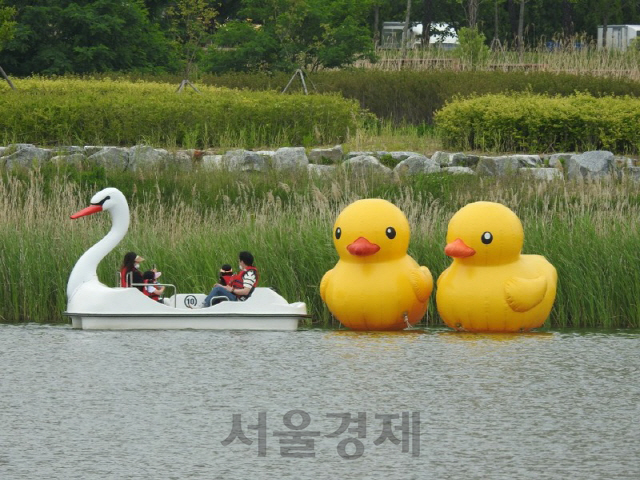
523, 294
421, 282
324, 284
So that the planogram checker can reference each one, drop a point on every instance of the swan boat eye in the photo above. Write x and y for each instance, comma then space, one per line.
486, 238
338, 233
391, 233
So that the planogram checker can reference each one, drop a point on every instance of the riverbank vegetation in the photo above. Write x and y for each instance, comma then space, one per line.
189, 223
539, 123
52, 111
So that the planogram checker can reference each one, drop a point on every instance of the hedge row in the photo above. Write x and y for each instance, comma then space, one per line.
118, 112
414, 96
539, 123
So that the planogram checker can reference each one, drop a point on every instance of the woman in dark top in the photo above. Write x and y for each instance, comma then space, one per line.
129, 272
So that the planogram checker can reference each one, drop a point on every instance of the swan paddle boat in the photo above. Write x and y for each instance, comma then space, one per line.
91, 305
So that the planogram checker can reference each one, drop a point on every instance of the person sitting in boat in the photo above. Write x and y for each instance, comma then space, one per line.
240, 286
129, 271
151, 288
226, 273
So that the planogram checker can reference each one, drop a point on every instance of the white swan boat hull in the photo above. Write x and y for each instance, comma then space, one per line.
129, 309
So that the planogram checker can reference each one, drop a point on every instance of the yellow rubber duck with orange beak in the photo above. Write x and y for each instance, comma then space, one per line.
490, 286
375, 285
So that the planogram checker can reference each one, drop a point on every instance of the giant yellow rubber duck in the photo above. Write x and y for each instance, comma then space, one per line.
375, 285
490, 286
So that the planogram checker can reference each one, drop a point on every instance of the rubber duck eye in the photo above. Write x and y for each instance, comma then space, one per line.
391, 233
487, 238
338, 233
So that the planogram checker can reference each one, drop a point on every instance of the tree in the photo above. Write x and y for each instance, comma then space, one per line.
82, 36
191, 22
289, 34
7, 29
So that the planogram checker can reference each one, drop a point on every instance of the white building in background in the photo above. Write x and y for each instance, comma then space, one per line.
442, 35
619, 37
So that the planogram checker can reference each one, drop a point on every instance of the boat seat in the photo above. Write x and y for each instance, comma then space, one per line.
221, 298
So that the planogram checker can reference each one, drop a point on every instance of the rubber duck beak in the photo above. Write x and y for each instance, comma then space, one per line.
362, 247
87, 211
458, 249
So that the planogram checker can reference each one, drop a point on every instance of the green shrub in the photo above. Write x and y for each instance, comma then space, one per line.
75, 111
472, 49
414, 96
538, 123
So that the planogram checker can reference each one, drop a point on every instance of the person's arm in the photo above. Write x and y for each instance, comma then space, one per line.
240, 292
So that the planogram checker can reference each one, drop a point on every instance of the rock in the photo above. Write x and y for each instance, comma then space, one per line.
143, 156
2, 150
497, 166
528, 160
547, 174
266, 153
67, 150
415, 165
359, 154
211, 162
441, 158
320, 170
74, 159
365, 164
183, 159
27, 156
458, 159
326, 155
459, 170
595, 164
91, 149
400, 156
558, 160
622, 162
290, 158
111, 157
633, 173
244, 161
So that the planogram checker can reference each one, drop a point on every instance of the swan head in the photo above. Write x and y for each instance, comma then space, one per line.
109, 199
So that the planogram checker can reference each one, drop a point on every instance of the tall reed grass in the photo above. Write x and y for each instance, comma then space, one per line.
188, 223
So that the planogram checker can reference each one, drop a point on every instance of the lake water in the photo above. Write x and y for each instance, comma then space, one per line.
159, 404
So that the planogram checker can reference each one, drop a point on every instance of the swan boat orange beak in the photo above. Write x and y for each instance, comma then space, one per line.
90, 210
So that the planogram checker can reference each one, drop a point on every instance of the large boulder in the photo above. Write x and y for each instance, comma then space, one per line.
143, 156
415, 165
290, 158
91, 149
211, 162
326, 155
244, 161
360, 154
365, 164
459, 170
558, 160
458, 159
111, 158
26, 156
2, 150
589, 165
547, 174
497, 166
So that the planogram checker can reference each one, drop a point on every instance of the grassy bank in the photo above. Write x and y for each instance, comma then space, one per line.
188, 223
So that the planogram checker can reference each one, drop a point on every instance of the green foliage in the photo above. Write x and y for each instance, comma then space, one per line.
59, 36
281, 35
538, 123
73, 111
190, 22
7, 24
472, 47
